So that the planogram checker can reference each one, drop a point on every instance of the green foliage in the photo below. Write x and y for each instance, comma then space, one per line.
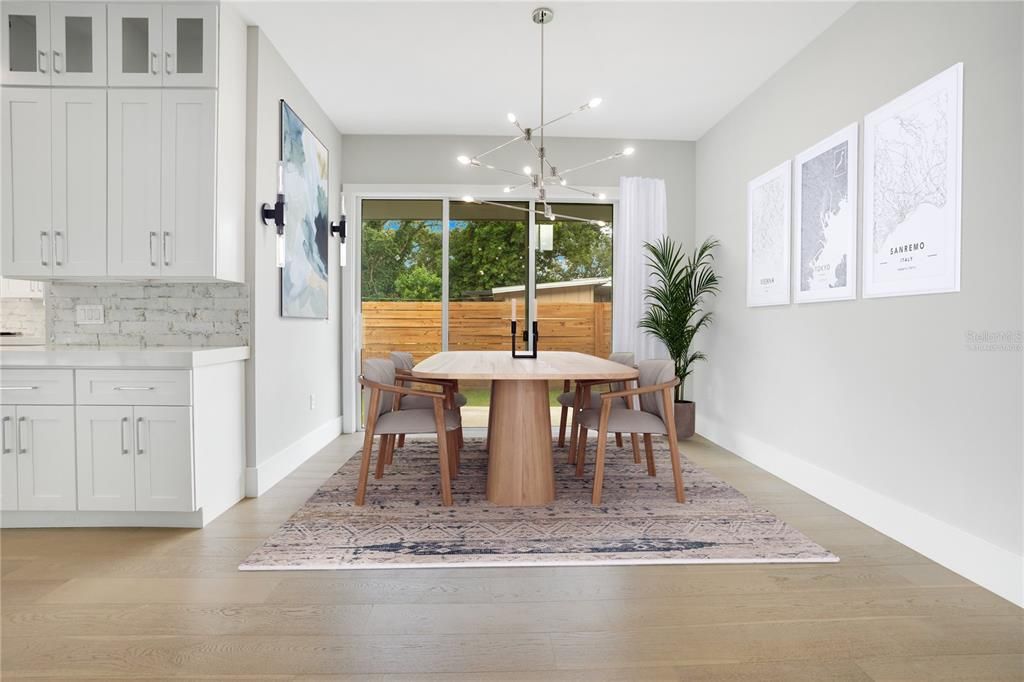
418, 284
676, 298
401, 259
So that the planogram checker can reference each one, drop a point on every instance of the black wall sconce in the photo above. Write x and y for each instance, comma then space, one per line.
275, 214
339, 229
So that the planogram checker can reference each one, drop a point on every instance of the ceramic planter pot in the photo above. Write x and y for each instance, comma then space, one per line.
686, 417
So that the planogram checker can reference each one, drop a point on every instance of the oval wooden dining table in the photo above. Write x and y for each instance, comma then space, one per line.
520, 469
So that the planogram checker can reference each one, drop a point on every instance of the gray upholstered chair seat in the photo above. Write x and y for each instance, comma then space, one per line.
403, 361
568, 399
418, 402
624, 421
415, 421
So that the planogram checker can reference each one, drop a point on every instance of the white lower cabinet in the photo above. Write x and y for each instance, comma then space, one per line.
38, 458
135, 458
163, 462
106, 453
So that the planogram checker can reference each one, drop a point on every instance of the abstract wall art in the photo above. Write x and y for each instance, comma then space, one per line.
304, 282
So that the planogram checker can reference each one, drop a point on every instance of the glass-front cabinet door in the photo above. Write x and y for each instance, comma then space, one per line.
190, 47
135, 49
26, 44
78, 35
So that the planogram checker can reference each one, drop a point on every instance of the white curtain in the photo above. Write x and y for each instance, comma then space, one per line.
642, 217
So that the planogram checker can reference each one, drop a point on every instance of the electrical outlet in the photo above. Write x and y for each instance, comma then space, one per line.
89, 314
312, 401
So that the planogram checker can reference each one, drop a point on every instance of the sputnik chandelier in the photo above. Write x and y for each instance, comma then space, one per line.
547, 174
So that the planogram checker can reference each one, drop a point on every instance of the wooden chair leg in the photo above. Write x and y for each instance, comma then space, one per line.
452, 440
442, 458
649, 448
382, 456
618, 440
389, 457
574, 430
673, 445
636, 447
602, 444
581, 450
364, 465
561, 426
401, 440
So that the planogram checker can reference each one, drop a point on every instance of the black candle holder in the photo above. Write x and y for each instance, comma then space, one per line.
532, 355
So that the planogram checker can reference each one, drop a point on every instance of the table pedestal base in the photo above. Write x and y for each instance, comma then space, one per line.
520, 472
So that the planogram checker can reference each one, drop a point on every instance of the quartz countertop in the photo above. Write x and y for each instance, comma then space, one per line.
164, 357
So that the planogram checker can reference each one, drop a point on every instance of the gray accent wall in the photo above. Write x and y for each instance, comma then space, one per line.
292, 359
889, 394
430, 159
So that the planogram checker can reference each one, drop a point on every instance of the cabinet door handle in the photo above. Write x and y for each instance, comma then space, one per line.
167, 252
138, 436
134, 388
57, 55
152, 251
44, 237
168, 57
58, 242
42, 61
154, 63
21, 441
124, 444
3, 430
18, 388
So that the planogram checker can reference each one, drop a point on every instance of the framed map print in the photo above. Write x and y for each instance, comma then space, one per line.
825, 220
768, 219
911, 240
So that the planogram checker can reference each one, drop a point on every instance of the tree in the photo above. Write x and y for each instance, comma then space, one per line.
418, 284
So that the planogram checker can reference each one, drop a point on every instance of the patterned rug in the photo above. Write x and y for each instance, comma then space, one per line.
403, 523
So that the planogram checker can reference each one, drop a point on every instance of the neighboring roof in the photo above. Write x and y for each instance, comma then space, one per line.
573, 283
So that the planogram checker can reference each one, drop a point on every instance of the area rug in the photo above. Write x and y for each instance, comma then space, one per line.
404, 525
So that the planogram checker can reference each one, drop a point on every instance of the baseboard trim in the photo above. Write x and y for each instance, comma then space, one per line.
102, 519
992, 567
262, 477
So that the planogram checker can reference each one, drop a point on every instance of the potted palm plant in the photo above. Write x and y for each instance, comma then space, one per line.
675, 310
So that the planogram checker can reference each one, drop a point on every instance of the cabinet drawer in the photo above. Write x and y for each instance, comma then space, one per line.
133, 387
37, 387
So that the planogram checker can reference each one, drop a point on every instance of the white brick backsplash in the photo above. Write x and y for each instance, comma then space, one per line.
26, 315
151, 314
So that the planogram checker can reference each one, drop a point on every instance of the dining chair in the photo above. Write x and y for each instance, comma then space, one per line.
404, 363
578, 400
656, 416
384, 419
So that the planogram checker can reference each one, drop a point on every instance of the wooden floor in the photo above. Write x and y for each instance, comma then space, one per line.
95, 603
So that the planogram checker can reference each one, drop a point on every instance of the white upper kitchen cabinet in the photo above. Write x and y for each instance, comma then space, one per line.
62, 43
188, 182
26, 44
153, 45
26, 182
190, 45
78, 42
134, 167
79, 213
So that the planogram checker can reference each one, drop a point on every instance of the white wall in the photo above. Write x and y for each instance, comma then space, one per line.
430, 159
879, 406
291, 358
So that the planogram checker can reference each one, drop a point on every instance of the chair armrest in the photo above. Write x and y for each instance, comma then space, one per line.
420, 380
400, 390
639, 391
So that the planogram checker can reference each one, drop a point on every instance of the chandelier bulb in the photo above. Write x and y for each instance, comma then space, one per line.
563, 182
594, 103
527, 170
464, 160
511, 117
506, 189
468, 199
601, 196
628, 151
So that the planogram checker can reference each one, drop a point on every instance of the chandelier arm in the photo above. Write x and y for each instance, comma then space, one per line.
582, 107
550, 165
518, 174
592, 163
581, 191
500, 146
528, 210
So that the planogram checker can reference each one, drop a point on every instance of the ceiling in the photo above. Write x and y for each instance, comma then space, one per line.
665, 70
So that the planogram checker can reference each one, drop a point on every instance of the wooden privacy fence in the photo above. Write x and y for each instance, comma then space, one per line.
416, 327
